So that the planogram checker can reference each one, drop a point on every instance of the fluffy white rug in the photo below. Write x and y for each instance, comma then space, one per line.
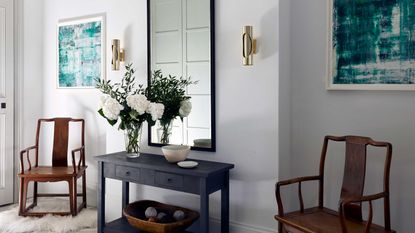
10, 222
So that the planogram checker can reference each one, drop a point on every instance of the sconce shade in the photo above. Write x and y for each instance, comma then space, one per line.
115, 61
248, 46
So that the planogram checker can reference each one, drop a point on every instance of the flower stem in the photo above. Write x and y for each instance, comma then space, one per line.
167, 130
132, 138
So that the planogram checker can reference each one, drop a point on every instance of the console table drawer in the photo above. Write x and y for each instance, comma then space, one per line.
129, 173
168, 179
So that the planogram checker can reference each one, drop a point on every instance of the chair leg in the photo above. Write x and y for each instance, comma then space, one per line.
283, 229
23, 196
35, 194
71, 193
84, 189
75, 196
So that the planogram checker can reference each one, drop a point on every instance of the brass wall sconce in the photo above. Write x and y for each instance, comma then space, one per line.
248, 46
118, 55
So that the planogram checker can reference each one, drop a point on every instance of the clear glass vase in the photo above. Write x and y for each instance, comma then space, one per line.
132, 140
166, 128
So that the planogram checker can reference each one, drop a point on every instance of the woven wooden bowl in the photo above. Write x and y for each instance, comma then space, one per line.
134, 212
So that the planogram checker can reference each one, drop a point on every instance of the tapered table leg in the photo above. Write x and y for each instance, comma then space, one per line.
225, 205
101, 198
125, 194
204, 207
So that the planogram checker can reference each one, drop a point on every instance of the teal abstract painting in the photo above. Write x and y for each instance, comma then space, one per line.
80, 52
372, 44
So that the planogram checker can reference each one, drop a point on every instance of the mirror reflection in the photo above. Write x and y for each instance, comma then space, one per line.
180, 45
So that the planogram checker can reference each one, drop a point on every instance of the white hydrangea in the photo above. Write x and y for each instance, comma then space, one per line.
111, 108
185, 108
156, 110
102, 100
138, 102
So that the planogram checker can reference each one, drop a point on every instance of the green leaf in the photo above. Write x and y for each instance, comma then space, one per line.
134, 114
111, 122
122, 125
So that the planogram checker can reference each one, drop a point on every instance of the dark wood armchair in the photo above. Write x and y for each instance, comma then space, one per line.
59, 171
348, 218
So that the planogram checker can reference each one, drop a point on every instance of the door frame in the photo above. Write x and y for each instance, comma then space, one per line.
18, 90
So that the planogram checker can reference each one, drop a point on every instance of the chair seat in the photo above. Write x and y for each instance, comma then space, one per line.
52, 172
317, 220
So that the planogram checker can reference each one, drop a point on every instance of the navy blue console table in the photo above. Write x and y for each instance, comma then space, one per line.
154, 170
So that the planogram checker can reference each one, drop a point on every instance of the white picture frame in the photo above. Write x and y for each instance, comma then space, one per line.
331, 65
80, 72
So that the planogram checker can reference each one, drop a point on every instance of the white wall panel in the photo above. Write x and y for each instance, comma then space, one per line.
197, 13
196, 133
168, 47
199, 71
168, 15
200, 114
174, 69
197, 49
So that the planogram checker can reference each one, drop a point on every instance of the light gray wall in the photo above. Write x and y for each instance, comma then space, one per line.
246, 102
32, 89
382, 115
284, 98
284, 92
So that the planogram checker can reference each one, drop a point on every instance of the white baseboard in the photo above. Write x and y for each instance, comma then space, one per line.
238, 227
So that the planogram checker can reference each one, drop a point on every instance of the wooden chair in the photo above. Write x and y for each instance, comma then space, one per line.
348, 219
59, 171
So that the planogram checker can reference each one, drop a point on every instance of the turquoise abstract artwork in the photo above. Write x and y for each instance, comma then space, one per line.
80, 53
373, 43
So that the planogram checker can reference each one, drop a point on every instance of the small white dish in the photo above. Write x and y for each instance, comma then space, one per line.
187, 164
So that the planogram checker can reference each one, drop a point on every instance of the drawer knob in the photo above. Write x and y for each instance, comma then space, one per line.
169, 180
127, 173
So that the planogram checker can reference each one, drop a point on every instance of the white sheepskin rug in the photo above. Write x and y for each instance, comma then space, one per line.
85, 221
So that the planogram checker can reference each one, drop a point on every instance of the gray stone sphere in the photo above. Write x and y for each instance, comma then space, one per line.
151, 212
178, 215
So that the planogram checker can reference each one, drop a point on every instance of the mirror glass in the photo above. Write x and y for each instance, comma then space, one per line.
180, 44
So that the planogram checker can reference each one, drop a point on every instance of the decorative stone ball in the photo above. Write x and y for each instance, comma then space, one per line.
178, 215
152, 219
151, 212
162, 217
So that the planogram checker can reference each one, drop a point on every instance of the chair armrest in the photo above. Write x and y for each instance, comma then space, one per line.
297, 180
81, 151
363, 198
289, 182
369, 199
22, 152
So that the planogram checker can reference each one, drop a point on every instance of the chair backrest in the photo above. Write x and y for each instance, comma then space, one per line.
60, 139
355, 171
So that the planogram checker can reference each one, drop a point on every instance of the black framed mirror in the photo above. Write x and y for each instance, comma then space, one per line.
180, 37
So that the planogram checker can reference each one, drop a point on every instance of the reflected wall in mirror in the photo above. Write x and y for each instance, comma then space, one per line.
181, 44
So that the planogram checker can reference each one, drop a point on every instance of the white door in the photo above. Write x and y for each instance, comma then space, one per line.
6, 102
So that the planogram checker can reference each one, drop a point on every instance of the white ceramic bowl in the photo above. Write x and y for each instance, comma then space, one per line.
175, 153
203, 142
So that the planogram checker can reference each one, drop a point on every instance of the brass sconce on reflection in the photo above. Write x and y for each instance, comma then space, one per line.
118, 55
248, 46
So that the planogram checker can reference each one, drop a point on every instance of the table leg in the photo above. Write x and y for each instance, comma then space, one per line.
225, 205
101, 198
204, 207
125, 194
